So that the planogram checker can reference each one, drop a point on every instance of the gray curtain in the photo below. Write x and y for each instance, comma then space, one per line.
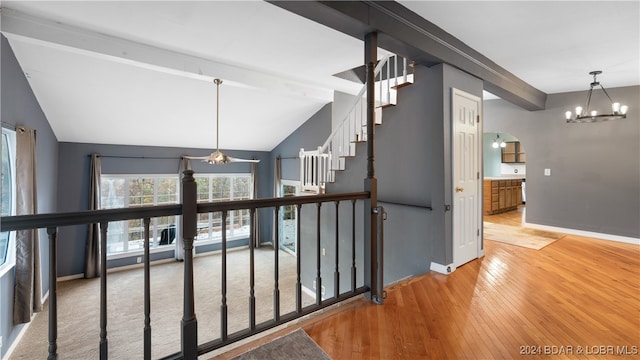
277, 185
277, 177
184, 165
256, 219
27, 293
92, 246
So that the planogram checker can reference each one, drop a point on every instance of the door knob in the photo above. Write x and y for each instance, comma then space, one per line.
459, 189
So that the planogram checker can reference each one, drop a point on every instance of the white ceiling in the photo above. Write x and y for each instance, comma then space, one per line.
140, 72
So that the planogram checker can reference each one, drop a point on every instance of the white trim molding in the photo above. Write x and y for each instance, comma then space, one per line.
442, 269
591, 234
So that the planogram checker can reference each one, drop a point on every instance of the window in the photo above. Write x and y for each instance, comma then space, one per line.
118, 191
223, 187
7, 239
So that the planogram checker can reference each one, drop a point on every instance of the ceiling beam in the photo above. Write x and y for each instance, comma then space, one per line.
404, 32
16, 25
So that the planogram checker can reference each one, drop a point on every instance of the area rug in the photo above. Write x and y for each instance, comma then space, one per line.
520, 236
294, 346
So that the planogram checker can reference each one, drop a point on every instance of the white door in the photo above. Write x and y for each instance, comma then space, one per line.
466, 177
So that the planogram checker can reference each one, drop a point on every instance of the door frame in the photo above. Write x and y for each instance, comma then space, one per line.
479, 156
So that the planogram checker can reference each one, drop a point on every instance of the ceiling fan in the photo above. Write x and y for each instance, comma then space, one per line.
217, 157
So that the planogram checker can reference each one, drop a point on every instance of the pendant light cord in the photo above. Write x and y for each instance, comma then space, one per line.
218, 82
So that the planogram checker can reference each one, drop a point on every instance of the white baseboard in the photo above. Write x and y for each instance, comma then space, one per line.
16, 341
71, 277
601, 236
442, 269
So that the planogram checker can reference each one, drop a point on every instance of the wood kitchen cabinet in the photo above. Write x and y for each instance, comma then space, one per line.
502, 195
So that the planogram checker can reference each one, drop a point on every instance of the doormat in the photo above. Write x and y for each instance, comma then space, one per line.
294, 346
519, 236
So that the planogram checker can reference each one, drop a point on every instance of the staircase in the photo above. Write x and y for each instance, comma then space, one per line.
319, 166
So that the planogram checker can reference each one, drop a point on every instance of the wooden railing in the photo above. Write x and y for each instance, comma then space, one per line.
189, 209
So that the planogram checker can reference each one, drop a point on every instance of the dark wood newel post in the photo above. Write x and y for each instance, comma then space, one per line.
371, 183
189, 330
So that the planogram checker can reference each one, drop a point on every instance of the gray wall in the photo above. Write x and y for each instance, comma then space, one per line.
20, 107
411, 161
313, 133
595, 172
73, 181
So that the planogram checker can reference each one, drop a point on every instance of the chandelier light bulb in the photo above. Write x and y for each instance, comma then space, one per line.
615, 107
623, 109
568, 114
503, 144
594, 113
578, 110
495, 144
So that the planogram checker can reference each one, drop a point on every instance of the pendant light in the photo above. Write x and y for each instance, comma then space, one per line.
217, 157
585, 114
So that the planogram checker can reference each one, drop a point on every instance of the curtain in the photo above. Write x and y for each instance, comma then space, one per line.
184, 165
92, 247
256, 219
277, 177
27, 295
277, 185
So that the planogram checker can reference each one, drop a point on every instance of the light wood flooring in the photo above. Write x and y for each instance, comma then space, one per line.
576, 298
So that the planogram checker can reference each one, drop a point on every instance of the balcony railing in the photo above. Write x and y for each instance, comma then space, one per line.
189, 209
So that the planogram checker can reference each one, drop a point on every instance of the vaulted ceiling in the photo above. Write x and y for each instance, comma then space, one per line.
140, 73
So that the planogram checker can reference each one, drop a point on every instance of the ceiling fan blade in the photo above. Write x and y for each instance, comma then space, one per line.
203, 158
232, 159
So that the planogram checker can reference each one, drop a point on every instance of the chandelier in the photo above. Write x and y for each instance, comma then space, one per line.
497, 142
583, 115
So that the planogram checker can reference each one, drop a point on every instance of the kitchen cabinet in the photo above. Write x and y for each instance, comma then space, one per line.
501, 195
513, 153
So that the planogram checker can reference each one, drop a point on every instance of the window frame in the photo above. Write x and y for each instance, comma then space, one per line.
211, 238
231, 235
10, 259
154, 228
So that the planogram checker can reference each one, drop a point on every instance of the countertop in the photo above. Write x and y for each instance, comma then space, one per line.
506, 177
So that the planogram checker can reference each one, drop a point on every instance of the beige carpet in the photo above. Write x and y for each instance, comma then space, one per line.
79, 307
520, 236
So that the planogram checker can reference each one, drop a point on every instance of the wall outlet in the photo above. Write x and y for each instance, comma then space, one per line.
314, 284
324, 252
322, 290
139, 259
547, 172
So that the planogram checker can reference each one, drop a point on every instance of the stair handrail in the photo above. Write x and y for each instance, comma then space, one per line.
357, 99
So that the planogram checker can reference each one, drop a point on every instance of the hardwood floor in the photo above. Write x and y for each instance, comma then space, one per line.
578, 297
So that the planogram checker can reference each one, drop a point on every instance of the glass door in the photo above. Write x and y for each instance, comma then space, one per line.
288, 218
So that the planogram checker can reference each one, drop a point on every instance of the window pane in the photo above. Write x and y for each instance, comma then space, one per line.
220, 188
115, 237
112, 193
166, 226
203, 188
136, 235
167, 191
6, 196
141, 192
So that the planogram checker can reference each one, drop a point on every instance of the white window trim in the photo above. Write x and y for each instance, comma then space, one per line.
217, 240
11, 252
154, 231
197, 243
